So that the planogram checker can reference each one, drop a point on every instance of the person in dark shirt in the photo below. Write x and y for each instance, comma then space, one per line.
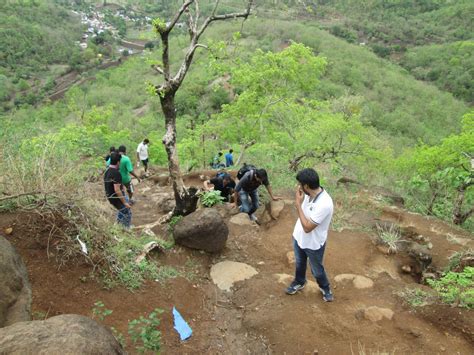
224, 183
111, 150
115, 192
247, 191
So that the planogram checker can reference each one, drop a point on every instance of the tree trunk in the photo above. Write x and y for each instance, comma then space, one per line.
242, 151
460, 217
186, 200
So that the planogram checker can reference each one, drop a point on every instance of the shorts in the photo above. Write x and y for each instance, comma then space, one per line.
129, 187
145, 162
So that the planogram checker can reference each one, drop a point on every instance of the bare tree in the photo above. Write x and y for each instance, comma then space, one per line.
185, 199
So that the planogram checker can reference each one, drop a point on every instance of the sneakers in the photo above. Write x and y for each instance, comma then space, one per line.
253, 218
294, 287
327, 295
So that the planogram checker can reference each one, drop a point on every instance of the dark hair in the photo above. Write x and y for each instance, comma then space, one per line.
220, 153
262, 175
308, 177
122, 149
115, 158
146, 141
226, 176
231, 151
112, 149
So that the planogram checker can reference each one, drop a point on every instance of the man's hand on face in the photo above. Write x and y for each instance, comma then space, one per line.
299, 196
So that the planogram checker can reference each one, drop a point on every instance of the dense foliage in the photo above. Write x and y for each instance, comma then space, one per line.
394, 27
34, 35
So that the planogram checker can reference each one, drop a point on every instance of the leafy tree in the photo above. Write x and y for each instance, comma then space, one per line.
185, 200
440, 177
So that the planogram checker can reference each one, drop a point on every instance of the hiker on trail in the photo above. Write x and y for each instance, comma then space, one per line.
115, 192
216, 161
315, 208
229, 159
247, 191
126, 169
142, 153
224, 183
107, 157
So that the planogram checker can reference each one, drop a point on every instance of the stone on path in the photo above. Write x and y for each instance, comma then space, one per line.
64, 334
359, 282
241, 219
203, 230
276, 207
226, 273
375, 314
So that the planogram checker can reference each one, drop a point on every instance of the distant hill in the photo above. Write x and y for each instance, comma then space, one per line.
36, 37
396, 28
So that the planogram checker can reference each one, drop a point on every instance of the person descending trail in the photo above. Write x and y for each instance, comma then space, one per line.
115, 192
142, 154
247, 191
126, 169
107, 157
315, 209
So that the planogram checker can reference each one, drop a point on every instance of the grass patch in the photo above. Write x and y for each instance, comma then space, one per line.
389, 236
416, 297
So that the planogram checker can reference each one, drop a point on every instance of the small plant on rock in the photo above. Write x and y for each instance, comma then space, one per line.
389, 236
144, 332
211, 198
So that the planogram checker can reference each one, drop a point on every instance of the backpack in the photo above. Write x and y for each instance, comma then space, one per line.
244, 169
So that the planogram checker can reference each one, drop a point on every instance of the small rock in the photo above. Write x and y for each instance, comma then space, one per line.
375, 314
8, 230
429, 245
261, 263
406, 269
359, 282
276, 207
384, 249
442, 348
241, 219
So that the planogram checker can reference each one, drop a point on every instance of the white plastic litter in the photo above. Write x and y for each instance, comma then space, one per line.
83, 245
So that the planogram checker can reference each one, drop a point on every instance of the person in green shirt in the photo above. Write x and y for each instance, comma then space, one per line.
126, 169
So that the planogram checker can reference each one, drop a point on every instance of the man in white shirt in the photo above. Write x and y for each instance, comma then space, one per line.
142, 153
315, 209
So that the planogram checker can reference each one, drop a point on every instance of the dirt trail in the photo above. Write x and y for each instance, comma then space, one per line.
256, 316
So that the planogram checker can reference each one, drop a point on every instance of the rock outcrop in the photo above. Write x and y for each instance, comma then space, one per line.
65, 334
15, 290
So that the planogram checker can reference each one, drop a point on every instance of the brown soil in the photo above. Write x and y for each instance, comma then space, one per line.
257, 317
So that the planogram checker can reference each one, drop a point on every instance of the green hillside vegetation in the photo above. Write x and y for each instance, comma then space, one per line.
34, 36
450, 66
393, 28
365, 107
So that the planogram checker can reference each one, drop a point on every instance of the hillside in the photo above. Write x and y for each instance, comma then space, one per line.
287, 88
402, 30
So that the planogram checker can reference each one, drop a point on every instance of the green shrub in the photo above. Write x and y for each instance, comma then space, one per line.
211, 198
144, 332
456, 288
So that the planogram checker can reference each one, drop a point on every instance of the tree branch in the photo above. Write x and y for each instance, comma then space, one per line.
177, 16
158, 69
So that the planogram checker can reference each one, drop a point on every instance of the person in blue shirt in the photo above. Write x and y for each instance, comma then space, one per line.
229, 159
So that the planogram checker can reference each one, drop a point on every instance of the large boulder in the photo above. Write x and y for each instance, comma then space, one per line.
15, 290
65, 334
204, 230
